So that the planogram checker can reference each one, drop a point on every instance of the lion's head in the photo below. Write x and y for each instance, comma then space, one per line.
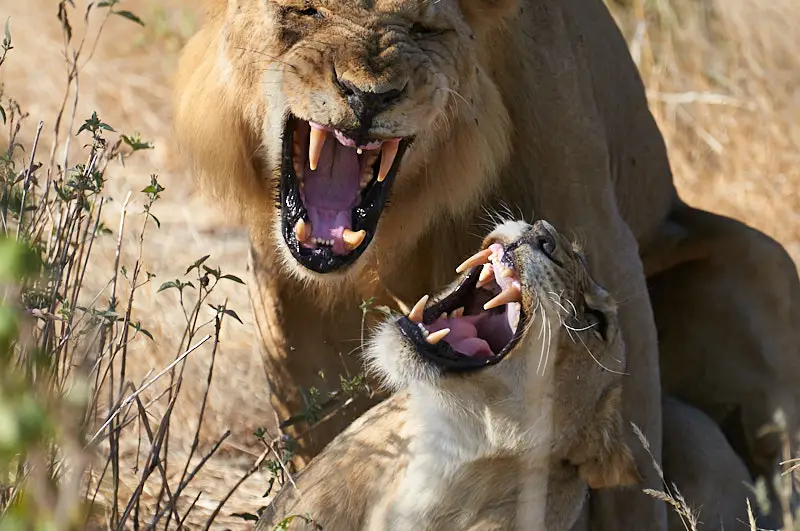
527, 338
335, 105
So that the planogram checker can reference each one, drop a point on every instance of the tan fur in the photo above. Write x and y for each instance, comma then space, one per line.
455, 451
706, 471
532, 105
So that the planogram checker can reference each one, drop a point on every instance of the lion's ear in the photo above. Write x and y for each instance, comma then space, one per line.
486, 12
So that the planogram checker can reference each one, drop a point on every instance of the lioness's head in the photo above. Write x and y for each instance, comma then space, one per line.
352, 98
526, 329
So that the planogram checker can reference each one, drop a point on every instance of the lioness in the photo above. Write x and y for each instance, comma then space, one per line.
507, 407
305, 116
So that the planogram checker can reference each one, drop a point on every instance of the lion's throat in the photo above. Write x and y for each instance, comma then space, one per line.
330, 192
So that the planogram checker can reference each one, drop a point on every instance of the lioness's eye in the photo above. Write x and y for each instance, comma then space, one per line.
596, 320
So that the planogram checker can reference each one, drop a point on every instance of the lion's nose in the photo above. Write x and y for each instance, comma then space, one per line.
367, 104
544, 237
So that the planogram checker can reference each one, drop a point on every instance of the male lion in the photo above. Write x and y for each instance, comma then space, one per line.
303, 116
507, 411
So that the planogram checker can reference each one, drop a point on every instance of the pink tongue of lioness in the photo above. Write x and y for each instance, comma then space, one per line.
463, 336
331, 192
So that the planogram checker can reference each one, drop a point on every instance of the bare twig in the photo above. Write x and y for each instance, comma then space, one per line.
139, 391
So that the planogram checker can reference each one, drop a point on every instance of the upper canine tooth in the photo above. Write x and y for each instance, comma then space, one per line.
388, 153
478, 258
302, 230
510, 294
435, 337
415, 314
315, 143
353, 239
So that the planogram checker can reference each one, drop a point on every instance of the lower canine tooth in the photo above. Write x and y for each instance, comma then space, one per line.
302, 231
388, 153
435, 337
415, 314
353, 239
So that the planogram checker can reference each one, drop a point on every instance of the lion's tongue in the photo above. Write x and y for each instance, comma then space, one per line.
331, 191
463, 336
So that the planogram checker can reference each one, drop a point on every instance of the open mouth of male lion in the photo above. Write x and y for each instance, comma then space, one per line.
333, 191
478, 323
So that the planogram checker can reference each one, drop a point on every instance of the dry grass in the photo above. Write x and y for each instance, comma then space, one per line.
723, 78
128, 82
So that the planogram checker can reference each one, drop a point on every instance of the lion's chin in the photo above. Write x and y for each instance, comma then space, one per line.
332, 192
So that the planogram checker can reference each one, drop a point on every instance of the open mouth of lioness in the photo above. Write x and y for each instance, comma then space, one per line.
475, 325
333, 191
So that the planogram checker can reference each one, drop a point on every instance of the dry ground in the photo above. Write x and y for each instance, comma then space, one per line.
725, 89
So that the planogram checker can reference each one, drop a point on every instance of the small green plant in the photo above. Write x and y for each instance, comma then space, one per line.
66, 396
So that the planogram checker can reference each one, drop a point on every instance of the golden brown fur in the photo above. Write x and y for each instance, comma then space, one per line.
534, 105
453, 451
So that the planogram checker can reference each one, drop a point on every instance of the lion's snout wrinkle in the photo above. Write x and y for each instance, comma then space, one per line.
367, 104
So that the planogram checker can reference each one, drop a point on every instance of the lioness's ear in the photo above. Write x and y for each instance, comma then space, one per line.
486, 12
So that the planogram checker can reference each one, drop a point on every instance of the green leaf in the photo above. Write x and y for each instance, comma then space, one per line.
233, 278
136, 143
169, 285
197, 264
3, 113
220, 309
138, 327
158, 223
110, 314
130, 16
17, 260
232, 314
93, 125
213, 272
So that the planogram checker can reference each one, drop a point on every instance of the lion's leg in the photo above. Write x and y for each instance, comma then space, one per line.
300, 355
707, 472
727, 307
